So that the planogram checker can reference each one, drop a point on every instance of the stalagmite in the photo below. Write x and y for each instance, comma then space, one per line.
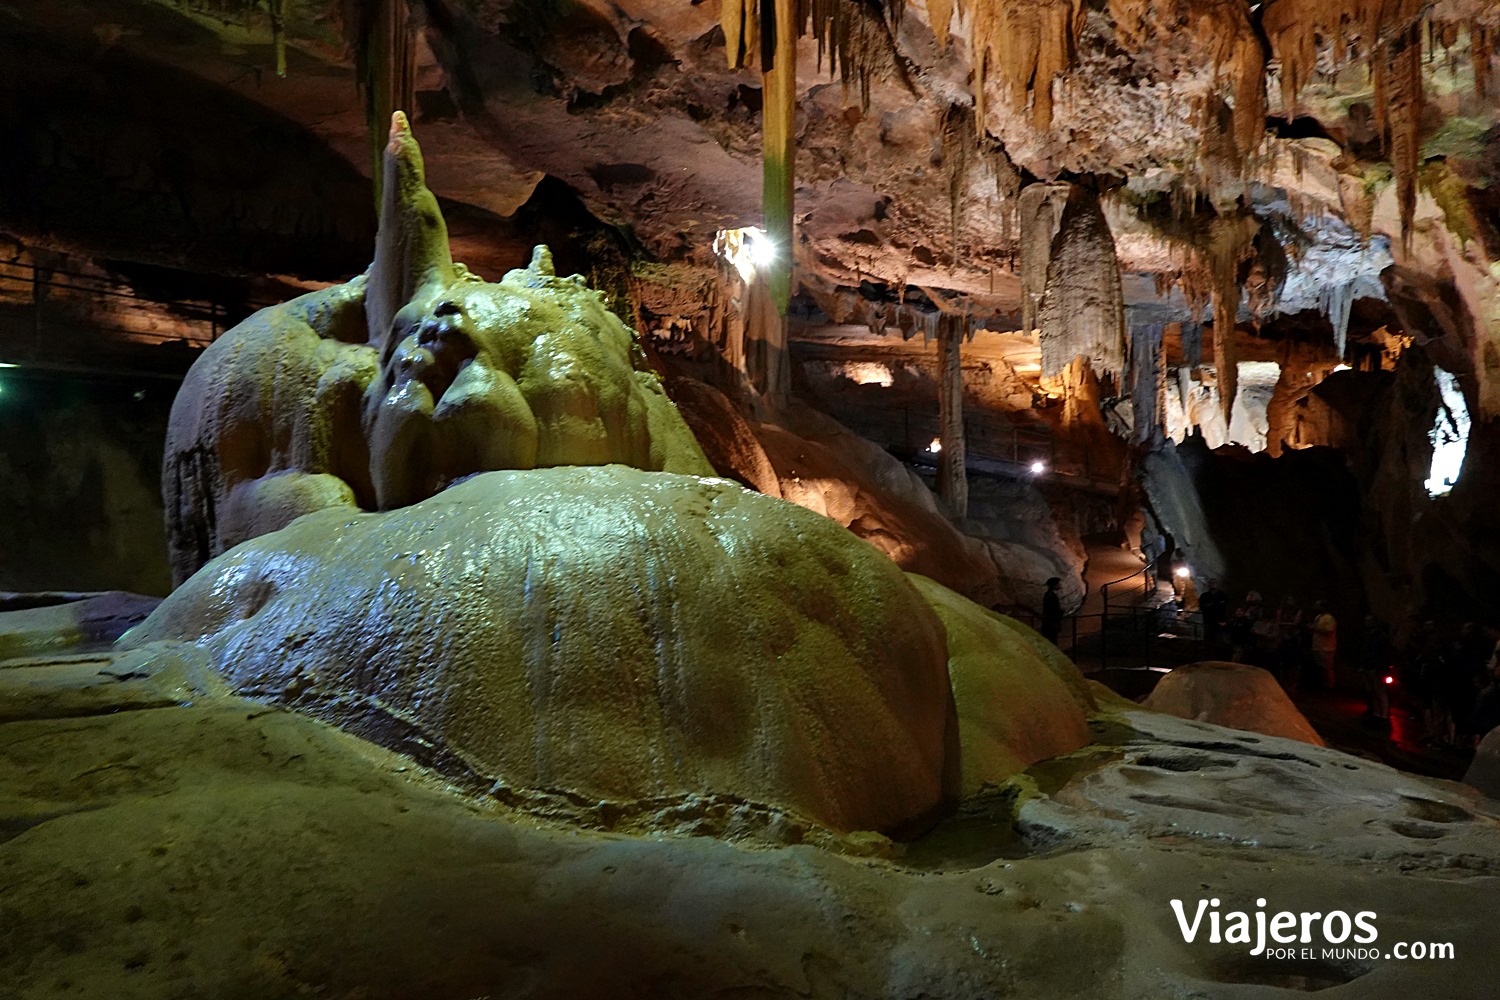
953, 483
1083, 311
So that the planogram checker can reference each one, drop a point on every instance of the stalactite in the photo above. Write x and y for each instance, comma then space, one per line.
954, 129
1404, 60
1039, 214
1232, 49
1029, 44
1230, 237
1336, 300
1357, 204
1148, 381
849, 36
385, 68
1083, 310
740, 20
277, 9
940, 15
1390, 36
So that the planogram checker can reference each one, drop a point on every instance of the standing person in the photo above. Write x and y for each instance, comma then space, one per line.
1256, 630
1325, 641
1052, 613
1214, 604
1375, 656
1289, 655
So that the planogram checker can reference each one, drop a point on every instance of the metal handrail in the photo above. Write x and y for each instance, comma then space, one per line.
76, 286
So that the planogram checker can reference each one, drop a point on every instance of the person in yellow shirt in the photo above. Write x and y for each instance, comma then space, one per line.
1325, 641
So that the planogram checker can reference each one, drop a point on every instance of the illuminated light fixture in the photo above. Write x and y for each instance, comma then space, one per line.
7, 364
1449, 435
748, 249
1342, 368
1183, 572
869, 373
1389, 679
936, 446
1037, 468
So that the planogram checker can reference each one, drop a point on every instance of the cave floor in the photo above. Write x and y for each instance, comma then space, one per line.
162, 838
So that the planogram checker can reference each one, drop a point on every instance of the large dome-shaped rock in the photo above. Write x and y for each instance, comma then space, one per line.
1236, 695
1019, 699
604, 633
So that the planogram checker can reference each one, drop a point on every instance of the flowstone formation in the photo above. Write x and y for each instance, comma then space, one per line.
460, 524
604, 634
380, 392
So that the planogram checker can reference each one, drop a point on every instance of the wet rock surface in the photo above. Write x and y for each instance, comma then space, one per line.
600, 632
219, 846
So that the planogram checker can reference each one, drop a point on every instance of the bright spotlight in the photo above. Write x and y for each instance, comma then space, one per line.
1183, 572
936, 446
1341, 368
1389, 679
762, 251
1037, 468
7, 364
747, 249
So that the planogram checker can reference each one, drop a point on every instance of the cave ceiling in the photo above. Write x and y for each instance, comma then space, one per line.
1178, 111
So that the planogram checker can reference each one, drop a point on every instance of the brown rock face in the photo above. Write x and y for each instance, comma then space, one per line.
1232, 694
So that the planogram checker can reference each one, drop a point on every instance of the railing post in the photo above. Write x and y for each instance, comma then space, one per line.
1104, 629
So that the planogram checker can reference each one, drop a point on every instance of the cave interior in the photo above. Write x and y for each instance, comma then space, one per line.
746, 498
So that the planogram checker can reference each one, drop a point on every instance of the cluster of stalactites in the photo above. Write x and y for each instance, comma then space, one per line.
1387, 35
1224, 33
1083, 308
908, 319
1237, 261
1031, 44
847, 35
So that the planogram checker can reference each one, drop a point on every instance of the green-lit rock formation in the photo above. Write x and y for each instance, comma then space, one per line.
382, 391
1019, 699
604, 632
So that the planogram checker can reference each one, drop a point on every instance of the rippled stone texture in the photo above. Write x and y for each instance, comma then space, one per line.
617, 634
382, 391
